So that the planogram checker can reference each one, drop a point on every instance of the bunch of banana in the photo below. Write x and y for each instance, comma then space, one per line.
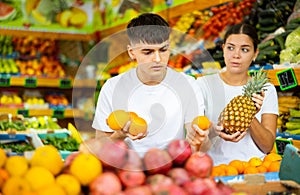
289, 114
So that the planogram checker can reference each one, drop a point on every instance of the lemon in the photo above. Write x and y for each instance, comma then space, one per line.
15, 185
17, 165
39, 177
86, 167
53, 189
69, 183
49, 157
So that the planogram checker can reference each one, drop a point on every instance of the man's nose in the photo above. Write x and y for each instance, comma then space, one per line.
157, 57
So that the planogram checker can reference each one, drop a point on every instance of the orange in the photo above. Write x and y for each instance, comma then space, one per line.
53, 189
218, 171
202, 122
69, 183
16, 165
266, 163
85, 167
4, 174
255, 161
274, 166
238, 164
230, 170
132, 115
251, 170
15, 185
3, 157
49, 157
262, 169
117, 119
272, 157
39, 177
138, 125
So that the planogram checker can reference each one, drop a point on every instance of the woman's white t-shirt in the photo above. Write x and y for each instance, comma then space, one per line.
166, 107
216, 96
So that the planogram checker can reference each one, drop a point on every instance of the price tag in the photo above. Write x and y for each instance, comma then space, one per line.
30, 82
65, 83
5, 81
286, 79
24, 112
280, 144
59, 113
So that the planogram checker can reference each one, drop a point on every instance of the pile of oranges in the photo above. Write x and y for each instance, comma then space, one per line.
270, 163
45, 173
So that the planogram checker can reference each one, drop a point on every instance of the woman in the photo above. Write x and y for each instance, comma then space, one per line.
240, 49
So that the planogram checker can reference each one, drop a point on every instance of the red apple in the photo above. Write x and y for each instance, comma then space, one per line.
105, 184
113, 154
138, 190
195, 187
132, 178
157, 161
199, 165
180, 151
179, 175
172, 189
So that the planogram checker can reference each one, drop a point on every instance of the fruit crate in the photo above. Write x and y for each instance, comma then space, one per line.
60, 135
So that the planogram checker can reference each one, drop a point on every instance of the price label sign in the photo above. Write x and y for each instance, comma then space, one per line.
59, 113
5, 81
24, 112
65, 83
286, 79
280, 144
30, 82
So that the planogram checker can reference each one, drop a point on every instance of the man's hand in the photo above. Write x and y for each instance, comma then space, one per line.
196, 136
126, 133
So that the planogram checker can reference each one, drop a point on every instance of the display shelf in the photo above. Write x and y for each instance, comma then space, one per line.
48, 35
171, 13
63, 113
20, 81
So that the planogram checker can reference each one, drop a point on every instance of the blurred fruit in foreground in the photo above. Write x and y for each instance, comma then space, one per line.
49, 157
69, 183
17, 165
39, 177
85, 167
3, 157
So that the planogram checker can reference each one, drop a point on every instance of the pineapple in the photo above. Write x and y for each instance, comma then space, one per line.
239, 112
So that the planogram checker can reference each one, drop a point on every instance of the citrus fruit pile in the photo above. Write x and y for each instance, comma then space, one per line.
46, 173
270, 163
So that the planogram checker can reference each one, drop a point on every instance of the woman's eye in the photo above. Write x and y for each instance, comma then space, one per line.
148, 52
230, 48
245, 50
163, 50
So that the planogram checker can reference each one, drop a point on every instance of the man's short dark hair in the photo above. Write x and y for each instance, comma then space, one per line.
148, 28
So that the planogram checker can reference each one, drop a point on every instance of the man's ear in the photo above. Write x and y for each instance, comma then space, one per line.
130, 52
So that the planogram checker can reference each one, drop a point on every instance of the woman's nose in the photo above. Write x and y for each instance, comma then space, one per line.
236, 53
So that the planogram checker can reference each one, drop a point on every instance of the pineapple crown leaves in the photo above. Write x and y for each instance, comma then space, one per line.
256, 84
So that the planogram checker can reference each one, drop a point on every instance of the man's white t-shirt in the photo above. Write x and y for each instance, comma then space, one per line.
166, 107
216, 97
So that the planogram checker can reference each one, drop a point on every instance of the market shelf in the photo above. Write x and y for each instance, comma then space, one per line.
32, 81
57, 113
48, 35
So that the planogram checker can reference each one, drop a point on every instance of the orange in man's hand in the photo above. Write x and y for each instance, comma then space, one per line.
118, 119
138, 125
202, 122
